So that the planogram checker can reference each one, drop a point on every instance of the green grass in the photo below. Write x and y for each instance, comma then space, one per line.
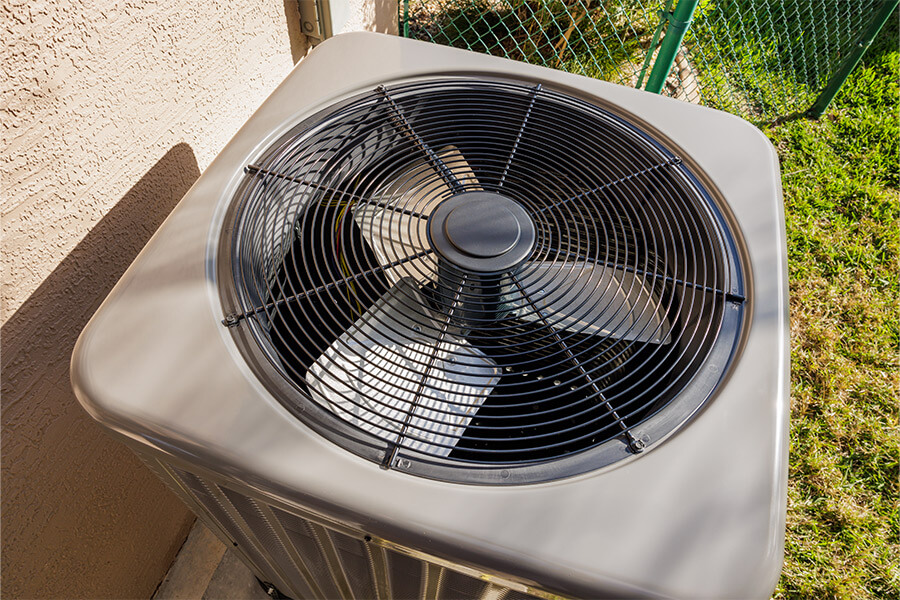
763, 59
840, 178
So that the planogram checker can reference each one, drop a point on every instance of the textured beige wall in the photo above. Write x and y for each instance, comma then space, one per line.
110, 110
369, 15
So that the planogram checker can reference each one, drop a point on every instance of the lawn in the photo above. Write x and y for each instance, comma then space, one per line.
840, 177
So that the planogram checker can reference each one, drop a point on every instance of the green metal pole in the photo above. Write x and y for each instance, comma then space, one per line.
406, 18
679, 21
663, 19
843, 71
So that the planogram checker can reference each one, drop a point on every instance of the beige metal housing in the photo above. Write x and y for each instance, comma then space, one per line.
698, 515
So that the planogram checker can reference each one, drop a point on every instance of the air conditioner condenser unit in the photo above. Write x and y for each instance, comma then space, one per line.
441, 325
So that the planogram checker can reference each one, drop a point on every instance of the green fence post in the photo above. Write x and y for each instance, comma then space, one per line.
405, 28
663, 19
846, 67
679, 21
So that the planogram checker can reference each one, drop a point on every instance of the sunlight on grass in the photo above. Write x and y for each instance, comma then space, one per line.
840, 178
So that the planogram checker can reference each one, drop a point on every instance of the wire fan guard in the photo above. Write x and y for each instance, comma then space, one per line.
481, 280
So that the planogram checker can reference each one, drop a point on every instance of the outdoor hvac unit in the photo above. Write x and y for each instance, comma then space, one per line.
441, 325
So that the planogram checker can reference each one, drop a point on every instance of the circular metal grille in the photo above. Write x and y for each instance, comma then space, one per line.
482, 280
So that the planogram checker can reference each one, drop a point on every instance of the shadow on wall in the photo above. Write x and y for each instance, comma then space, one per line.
372, 15
81, 516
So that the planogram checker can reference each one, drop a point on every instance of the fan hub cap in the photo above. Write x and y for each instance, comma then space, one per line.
482, 232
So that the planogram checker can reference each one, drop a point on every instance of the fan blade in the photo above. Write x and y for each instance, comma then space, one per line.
591, 298
394, 360
394, 234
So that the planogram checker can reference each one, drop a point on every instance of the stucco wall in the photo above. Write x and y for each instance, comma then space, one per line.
110, 112
368, 15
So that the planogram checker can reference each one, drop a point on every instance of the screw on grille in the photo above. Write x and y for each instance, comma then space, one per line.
637, 445
232, 320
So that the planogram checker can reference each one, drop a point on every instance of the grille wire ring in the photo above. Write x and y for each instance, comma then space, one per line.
632, 288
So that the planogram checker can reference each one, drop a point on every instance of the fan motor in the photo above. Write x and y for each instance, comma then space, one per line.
478, 236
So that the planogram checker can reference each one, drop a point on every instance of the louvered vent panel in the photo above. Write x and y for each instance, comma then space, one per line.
507, 594
307, 559
356, 565
216, 506
300, 533
292, 567
462, 587
406, 575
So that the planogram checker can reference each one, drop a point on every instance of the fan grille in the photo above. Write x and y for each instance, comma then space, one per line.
428, 348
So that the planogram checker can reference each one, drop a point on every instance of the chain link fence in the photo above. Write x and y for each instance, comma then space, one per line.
762, 59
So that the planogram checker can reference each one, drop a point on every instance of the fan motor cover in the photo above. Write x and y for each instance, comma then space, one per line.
511, 317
